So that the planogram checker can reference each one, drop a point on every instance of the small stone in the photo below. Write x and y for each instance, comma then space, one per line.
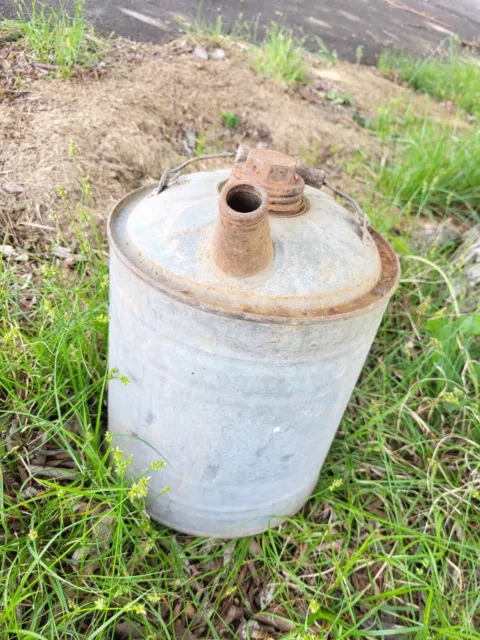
29, 492
267, 594
79, 555
191, 139
217, 54
11, 187
321, 84
200, 52
228, 555
7, 250
249, 629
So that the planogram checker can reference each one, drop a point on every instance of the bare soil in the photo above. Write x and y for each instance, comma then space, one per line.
157, 107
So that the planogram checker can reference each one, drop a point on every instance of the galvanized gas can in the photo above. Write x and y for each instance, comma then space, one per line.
242, 308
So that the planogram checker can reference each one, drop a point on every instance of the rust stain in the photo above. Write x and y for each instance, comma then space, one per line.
276, 173
382, 290
242, 244
282, 176
277, 313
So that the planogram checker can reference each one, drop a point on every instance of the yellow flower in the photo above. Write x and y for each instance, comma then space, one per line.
62, 192
86, 188
314, 606
140, 609
158, 464
119, 462
33, 534
153, 597
139, 489
335, 484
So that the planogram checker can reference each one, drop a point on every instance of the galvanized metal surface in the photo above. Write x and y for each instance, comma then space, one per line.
243, 413
321, 266
239, 384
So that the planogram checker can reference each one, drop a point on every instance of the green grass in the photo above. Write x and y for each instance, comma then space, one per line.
57, 37
388, 542
430, 166
230, 120
280, 57
218, 31
455, 76
325, 54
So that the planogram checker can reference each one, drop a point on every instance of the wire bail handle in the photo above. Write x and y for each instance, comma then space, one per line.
313, 177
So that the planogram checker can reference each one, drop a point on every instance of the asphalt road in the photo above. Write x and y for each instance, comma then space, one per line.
416, 26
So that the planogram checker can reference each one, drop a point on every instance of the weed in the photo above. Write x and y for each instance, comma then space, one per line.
310, 154
455, 76
359, 53
391, 531
57, 37
200, 144
336, 97
387, 544
230, 120
324, 53
202, 27
280, 57
218, 31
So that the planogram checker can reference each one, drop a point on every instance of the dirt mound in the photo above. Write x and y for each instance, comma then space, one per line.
131, 124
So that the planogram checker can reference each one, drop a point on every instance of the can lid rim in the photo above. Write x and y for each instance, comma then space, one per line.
375, 297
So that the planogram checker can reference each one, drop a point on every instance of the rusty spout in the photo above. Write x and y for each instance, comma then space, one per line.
242, 245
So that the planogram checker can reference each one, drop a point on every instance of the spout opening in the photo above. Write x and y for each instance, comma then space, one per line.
243, 200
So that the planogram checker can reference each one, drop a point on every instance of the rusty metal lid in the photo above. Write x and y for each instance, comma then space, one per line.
321, 267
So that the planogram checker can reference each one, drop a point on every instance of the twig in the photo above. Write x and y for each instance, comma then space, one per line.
53, 472
36, 225
47, 67
282, 624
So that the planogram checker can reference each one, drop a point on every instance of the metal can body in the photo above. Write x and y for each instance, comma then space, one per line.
242, 411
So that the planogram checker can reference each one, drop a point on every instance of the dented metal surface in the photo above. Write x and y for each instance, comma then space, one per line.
237, 382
